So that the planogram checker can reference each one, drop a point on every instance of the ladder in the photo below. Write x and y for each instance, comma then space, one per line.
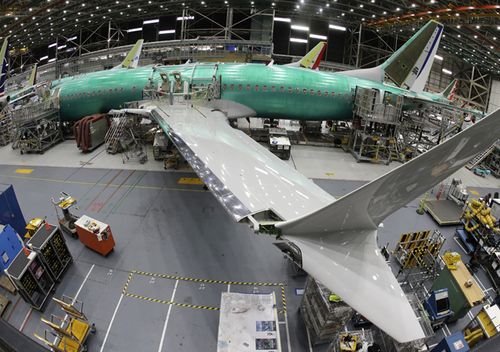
479, 158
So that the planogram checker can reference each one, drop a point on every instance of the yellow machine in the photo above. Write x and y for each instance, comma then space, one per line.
67, 221
451, 259
33, 227
481, 213
486, 324
71, 332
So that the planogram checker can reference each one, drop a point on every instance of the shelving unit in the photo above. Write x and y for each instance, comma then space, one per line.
51, 246
31, 279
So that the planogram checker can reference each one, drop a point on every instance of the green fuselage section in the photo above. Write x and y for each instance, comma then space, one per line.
280, 92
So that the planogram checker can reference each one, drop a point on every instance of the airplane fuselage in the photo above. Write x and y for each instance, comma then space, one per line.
281, 92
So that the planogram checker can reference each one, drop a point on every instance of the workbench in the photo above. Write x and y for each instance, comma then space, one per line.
462, 298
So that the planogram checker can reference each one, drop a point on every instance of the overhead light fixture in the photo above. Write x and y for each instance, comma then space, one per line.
44, 58
52, 60
337, 28
52, 45
317, 36
438, 57
138, 29
72, 38
300, 28
61, 47
282, 19
298, 40
185, 18
167, 31
448, 72
151, 21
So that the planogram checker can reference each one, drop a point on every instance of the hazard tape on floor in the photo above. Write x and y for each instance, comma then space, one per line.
125, 287
206, 281
162, 301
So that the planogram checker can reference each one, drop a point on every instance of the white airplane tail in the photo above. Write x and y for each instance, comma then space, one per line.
132, 58
410, 65
338, 243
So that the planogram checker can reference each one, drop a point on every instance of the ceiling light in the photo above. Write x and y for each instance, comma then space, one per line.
167, 31
448, 72
131, 30
317, 36
185, 18
44, 58
300, 28
52, 45
337, 28
282, 19
438, 57
298, 40
151, 21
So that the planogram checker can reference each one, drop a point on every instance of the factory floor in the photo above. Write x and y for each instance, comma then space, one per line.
182, 233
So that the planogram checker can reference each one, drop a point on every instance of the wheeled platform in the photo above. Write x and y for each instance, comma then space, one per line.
445, 212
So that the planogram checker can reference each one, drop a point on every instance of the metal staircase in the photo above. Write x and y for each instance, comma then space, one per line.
479, 158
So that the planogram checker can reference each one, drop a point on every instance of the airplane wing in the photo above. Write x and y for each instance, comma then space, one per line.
449, 106
337, 240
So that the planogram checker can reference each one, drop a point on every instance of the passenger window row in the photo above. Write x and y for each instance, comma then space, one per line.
97, 92
281, 89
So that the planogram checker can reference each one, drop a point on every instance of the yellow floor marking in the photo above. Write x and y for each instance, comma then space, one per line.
104, 184
474, 192
329, 173
190, 181
24, 171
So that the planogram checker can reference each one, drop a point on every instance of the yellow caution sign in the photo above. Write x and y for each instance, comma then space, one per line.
24, 171
190, 181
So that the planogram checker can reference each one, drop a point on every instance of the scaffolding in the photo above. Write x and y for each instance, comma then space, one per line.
37, 126
375, 125
5, 128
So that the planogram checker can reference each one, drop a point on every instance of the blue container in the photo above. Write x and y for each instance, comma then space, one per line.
10, 245
10, 212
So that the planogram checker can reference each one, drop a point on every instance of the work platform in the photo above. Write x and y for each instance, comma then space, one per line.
445, 211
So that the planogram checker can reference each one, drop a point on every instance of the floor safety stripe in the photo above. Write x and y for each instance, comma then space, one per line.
162, 301
283, 298
125, 287
207, 281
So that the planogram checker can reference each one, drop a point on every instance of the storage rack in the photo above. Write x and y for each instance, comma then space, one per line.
31, 279
322, 317
49, 243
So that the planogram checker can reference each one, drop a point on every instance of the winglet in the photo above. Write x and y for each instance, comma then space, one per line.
449, 92
132, 58
32, 79
313, 58
4, 59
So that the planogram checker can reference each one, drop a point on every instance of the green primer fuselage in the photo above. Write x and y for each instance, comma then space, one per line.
272, 91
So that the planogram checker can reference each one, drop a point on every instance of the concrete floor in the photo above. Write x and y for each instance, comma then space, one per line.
180, 231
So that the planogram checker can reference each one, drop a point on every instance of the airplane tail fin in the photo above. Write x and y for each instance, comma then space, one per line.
410, 65
4, 59
313, 58
449, 92
32, 79
342, 235
132, 58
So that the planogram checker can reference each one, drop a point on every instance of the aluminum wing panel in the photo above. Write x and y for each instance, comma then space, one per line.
244, 176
